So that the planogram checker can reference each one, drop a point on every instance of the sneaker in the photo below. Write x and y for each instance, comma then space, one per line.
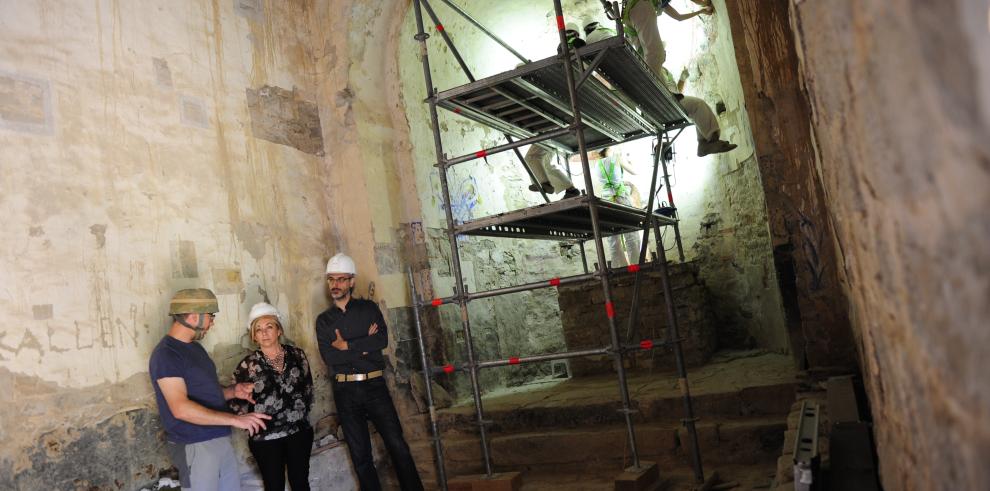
714, 146
547, 188
571, 193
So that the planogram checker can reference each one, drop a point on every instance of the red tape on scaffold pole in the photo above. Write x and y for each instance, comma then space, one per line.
448, 369
436, 302
513, 360
560, 22
646, 344
633, 268
609, 310
481, 153
555, 282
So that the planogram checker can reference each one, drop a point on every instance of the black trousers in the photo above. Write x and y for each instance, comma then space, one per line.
358, 403
291, 454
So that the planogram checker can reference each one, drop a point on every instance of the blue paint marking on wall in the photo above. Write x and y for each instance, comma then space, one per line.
463, 196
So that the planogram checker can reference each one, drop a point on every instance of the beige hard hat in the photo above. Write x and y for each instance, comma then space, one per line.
193, 301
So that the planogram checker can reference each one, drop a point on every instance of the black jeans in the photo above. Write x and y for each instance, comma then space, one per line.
291, 454
358, 403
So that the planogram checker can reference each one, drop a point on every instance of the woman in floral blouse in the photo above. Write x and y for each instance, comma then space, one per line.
283, 389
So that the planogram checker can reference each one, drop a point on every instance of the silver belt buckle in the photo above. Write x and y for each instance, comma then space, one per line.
360, 377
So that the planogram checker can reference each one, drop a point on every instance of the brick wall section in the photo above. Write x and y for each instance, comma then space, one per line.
585, 325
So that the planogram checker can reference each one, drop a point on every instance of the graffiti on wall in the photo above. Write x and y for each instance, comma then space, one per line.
463, 196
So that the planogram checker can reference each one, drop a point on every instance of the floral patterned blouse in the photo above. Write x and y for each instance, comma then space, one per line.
286, 397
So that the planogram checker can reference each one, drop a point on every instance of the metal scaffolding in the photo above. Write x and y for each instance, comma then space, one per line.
593, 97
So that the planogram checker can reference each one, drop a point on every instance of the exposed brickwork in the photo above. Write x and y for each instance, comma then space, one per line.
585, 324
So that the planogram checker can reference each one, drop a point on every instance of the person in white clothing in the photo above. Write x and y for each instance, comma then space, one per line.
611, 183
640, 18
539, 160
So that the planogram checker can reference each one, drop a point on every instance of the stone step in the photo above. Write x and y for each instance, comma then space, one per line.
753, 477
746, 402
750, 441
571, 426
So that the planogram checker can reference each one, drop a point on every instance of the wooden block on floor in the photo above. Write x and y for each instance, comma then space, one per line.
499, 481
643, 478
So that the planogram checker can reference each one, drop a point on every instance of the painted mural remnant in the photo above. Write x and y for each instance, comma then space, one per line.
278, 115
163, 74
193, 112
25, 104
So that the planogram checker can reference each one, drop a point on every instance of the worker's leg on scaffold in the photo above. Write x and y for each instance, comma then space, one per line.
701, 114
558, 179
631, 239
643, 18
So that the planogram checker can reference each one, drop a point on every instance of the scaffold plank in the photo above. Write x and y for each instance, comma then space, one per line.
621, 102
567, 219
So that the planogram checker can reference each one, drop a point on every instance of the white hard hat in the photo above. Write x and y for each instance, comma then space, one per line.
263, 309
341, 263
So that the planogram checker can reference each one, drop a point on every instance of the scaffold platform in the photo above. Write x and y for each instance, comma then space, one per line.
620, 99
567, 219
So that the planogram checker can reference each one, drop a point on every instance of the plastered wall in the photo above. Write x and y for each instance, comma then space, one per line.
153, 146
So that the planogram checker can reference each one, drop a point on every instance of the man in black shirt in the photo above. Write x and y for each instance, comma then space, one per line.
351, 335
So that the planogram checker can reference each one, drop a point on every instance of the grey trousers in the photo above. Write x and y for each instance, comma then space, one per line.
206, 466
623, 248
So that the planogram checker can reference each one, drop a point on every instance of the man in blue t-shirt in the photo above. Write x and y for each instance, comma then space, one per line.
192, 404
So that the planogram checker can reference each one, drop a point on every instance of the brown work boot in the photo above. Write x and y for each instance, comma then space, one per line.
547, 188
714, 146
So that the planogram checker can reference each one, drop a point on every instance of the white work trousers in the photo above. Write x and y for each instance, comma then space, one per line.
698, 111
539, 160
643, 18
623, 248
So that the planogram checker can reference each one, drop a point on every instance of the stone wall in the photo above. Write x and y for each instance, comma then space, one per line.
802, 234
720, 198
582, 313
512, 325
734, 260
900, 108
